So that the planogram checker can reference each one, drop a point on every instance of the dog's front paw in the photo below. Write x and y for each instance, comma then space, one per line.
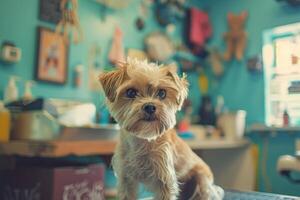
215, 193
212, 192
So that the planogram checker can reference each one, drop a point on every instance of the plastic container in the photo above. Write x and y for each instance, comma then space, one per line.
11, 92
4, 123
233, 124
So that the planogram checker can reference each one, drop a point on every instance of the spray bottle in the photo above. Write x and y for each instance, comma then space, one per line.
11, 92
27, 91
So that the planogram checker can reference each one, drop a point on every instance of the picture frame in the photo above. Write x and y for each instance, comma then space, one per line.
52, 57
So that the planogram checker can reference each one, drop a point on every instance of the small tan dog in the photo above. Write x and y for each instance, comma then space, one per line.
144, 98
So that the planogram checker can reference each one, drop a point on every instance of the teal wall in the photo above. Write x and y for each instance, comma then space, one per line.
244, 90
19, 22
271, 146
241, 89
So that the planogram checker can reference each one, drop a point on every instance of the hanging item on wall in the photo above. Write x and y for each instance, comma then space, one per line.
116, 53
187, 65
203, 82
159, 46
186, 61
52, 57
78, 70
49, 11
254, 64
115, 4
170, 29
69, 23
139, 23
9, 53
145, 6
199, 30
169, 11
143, 13
291, 2
216, 62
95, 67
136, 54
236, 37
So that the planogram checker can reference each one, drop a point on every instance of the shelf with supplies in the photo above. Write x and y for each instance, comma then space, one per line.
263, 129
211, 144
58, 148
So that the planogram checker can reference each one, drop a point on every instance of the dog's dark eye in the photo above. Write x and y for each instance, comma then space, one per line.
131, 93
161, 93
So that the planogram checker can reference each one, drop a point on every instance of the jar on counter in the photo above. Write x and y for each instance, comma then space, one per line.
4, 123
286, 118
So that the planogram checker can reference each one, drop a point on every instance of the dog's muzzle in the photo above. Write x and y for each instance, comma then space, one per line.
149, 111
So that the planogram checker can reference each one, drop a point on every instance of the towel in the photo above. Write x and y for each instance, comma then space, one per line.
200, 27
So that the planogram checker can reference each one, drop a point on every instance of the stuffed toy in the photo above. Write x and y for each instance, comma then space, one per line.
236, 37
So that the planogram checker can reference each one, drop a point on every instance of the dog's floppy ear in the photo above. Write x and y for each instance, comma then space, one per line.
181, 83
110, 81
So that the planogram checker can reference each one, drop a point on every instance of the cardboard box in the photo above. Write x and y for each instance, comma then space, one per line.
61, 183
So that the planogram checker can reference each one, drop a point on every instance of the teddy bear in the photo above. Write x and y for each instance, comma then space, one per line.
236, 37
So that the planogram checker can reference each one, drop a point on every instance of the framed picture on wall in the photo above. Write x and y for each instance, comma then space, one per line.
52, 57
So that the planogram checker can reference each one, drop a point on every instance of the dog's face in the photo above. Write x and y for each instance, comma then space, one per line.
144, 97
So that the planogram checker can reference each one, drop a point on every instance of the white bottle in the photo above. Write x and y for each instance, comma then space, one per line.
11, 91
220, 105
27, 91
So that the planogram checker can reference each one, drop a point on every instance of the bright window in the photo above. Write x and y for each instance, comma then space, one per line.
281, 57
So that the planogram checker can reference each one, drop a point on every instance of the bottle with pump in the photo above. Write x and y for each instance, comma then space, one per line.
11, 91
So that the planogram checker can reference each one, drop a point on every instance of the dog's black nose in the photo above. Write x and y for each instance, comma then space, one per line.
149, 108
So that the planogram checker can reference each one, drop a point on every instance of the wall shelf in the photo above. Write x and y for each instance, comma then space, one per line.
272, 129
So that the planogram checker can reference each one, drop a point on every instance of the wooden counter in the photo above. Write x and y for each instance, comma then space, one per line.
234, 158
59, 148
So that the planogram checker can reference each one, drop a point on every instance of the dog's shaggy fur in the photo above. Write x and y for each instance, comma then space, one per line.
149, 150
